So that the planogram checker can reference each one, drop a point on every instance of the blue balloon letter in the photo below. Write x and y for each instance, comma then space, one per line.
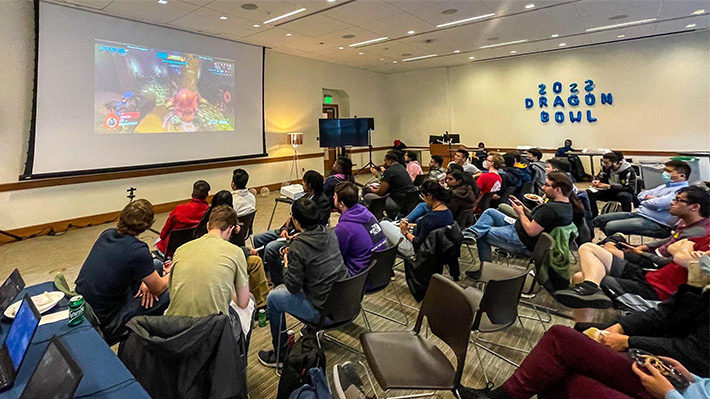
574, 119
573, 100
590, 118
542, 91
558, 102
557, 87
588, 85
543, 102
606, 98
544, 116
529, 103
573, 88
559, 116
590, 99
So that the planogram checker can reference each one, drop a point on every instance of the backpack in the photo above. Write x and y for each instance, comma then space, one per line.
319, 389
577, 169
611, 207
303, 356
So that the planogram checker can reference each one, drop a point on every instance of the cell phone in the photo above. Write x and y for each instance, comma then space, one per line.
641, 357
514, 200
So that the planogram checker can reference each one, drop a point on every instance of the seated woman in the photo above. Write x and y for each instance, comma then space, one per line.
255, 267
435, 197
342, 172
464, 194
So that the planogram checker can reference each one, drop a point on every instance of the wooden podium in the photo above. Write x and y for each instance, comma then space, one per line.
446, 151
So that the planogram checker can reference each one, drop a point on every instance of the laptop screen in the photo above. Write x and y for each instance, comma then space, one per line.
56, 377
10, 289
21, 332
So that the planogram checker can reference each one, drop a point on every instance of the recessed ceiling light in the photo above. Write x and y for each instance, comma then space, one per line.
341, 48
411, 32
419, 58
698, 12
223, 17
360, 53
620, 36
617, 17
382, 59
250, 6
285, 15
562, 44
162, 1
394, 62
348, 36
466, 20
457, 51
555, 35
513, 52
690, 26
471, 58
504, 44
255, 26
529, 6
331, 1
379, 39
289, 34
643, 21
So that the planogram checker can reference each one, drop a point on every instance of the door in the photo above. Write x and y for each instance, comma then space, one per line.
330, 111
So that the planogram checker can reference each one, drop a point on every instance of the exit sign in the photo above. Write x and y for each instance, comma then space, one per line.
327, 99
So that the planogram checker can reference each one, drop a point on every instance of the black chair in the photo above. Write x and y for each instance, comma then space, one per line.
377, 207
246, 224
381, 266
343, 305
485, 202
408, 360
177, 238
410, 201
505, 194
419, 180
497, 310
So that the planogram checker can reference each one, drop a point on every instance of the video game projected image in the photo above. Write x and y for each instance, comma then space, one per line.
145, 90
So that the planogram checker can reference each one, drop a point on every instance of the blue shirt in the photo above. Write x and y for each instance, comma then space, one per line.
430, 222
657, 208
700, 389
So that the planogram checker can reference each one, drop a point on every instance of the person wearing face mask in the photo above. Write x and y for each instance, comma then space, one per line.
615, 182
491, 182
652, 217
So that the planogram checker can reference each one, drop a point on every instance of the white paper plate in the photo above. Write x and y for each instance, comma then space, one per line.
43, 302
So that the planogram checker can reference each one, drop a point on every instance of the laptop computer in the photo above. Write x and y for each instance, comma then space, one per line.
419, 180
57, 375
10, 289
14, 348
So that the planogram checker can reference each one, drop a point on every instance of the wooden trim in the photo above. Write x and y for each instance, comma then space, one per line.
626, 152
361, 150
62, 181
52, 228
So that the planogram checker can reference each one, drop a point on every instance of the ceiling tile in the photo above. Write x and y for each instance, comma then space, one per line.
206, 20
150, 11
629, 33
273, 37
701, 22
411, 5
398, 25
561, 20
96, 4
674, 9
361, 12
315, 25
465, 9
359, 35
267, 9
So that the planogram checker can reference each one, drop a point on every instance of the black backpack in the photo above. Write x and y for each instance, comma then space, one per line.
577, 169
303, 356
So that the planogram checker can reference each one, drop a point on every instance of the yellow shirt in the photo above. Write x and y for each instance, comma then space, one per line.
204, 274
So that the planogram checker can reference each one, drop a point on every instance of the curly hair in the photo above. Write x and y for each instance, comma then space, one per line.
136, 217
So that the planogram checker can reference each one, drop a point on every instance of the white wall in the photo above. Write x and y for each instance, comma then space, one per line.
660, 87
293, 103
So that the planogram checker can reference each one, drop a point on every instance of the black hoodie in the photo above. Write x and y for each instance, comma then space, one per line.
314, 264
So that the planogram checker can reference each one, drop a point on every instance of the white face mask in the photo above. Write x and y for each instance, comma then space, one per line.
485, 164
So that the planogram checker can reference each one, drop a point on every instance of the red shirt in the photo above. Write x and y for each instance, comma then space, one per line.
489, 182
666, 280
184, 216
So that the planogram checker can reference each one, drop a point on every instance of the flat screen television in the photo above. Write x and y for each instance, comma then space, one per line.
345, 131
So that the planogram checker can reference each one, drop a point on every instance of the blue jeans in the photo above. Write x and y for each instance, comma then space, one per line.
630, 223
279, 302
271, 254
115, 326
420, 210
490, 230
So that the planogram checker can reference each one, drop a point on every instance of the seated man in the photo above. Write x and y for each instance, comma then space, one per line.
615, 182
601, 268
273, 241
480, 155
395, 182
313, 264
692, 206
494, 228
562, 151
652, 217
118, 278
209, 272
436, 171
516, 173
537, 168
185, 216
491, 182
342, 171
359, 234
244, 201
461, 158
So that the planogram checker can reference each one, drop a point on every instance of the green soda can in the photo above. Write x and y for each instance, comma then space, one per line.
262, 318
76, 310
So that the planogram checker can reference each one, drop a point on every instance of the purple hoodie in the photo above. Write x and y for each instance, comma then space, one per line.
359, 235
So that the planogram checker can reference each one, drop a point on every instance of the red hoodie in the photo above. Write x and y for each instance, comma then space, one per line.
184, 216
667, 279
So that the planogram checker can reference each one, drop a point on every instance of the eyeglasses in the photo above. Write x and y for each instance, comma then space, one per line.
676, 199
547, 185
